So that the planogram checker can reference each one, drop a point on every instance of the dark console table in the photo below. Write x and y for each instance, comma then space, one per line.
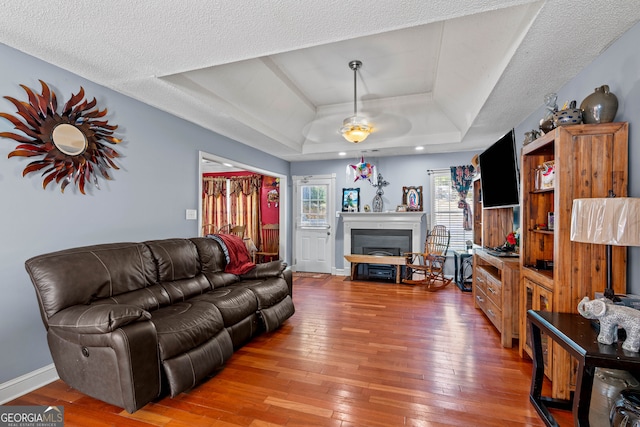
463, 263
577, 336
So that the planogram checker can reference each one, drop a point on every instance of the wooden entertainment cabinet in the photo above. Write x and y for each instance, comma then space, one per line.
496, 280
496, 292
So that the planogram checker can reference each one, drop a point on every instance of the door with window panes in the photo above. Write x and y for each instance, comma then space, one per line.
314, 223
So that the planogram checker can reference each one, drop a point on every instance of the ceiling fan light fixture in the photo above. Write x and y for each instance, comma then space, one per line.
355, 129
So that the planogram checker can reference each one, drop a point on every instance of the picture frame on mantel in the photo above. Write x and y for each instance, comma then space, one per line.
350, 200
412, 198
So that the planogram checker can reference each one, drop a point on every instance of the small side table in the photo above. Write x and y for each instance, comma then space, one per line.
463, 261
575, 334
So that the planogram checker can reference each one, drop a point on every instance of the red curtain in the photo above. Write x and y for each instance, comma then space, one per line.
214, 204
244, 193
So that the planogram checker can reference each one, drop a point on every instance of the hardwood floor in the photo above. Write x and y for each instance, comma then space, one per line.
354, 354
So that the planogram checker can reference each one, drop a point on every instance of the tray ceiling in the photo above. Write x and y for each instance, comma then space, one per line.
447, 76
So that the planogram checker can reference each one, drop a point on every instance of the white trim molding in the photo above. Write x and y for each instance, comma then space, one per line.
17, 387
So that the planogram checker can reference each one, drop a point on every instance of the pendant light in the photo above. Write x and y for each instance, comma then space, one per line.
355, 129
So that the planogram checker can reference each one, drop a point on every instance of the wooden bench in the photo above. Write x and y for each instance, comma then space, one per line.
356, 259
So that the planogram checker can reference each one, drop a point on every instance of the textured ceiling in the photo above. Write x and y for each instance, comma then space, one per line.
445, 75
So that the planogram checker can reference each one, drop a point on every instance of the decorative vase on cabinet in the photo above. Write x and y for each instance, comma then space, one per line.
599, 107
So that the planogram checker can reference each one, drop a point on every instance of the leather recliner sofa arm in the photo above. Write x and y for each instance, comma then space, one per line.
97, 318
109, 352
271, 269
288, 276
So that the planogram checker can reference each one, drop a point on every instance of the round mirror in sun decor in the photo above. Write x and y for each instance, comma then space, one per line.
72, 144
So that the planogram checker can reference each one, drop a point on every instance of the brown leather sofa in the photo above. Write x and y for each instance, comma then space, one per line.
129, 322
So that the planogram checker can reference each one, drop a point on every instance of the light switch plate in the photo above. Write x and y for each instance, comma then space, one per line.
192, 214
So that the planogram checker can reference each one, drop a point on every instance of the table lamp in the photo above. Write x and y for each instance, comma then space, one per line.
611, 221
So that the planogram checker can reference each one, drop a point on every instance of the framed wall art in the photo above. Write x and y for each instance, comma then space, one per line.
412, 198
350, 200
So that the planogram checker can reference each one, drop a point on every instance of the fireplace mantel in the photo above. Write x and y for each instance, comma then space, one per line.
382, 221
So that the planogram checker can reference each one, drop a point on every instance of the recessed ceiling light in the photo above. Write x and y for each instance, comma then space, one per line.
342, 153
420, 147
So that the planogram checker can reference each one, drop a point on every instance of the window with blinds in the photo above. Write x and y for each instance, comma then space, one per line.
445, 211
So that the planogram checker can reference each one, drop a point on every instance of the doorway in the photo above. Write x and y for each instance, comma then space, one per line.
276, 206
314, 235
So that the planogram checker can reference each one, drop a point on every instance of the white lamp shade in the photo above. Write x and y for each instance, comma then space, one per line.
606, 221
355, 129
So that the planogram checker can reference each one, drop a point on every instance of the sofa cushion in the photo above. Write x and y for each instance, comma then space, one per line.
185, 325
179, 270
268, 292
176, 259
150, 298
181, 290
80, 275
211, 255
235, 303
213, 262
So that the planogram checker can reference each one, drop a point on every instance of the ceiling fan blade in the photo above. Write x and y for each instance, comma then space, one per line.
323, 129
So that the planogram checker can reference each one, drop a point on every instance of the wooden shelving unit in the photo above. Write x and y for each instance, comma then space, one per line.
590, 160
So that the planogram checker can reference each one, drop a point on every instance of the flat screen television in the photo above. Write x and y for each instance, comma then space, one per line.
499, 173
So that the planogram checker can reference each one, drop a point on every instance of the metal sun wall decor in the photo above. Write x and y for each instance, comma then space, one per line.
72, 142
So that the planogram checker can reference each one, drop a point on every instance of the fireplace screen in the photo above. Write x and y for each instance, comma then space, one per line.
372, 238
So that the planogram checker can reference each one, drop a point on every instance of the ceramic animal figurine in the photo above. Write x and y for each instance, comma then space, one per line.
612, 317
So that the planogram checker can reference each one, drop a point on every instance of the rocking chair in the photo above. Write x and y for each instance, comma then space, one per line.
429, 265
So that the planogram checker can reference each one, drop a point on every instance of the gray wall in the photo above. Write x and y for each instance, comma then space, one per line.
399, 171
158, 180
617, 67
147, 198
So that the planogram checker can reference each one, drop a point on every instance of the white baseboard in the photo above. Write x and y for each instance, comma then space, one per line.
16, 387
337, 272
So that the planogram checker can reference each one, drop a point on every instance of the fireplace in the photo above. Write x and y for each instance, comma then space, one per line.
391, 233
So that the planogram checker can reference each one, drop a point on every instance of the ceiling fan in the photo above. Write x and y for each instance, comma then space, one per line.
356, 128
